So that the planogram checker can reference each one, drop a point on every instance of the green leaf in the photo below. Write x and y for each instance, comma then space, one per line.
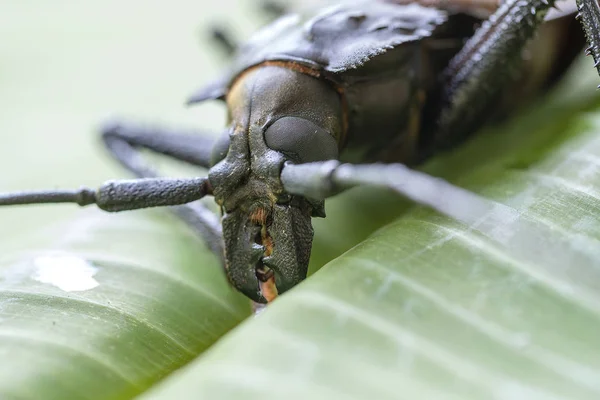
430, 308
112, 305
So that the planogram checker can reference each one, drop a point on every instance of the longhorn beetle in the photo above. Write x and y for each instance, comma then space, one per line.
360, 82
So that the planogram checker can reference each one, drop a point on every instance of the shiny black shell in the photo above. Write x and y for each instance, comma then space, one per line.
341, 38
385, 60
378, 56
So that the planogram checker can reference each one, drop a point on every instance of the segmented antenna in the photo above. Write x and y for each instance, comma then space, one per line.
120, 195
82, 197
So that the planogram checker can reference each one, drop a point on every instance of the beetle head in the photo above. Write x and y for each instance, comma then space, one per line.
277, 115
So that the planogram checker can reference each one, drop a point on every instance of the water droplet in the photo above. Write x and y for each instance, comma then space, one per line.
67, 272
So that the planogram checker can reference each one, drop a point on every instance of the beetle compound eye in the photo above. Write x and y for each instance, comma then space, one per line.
301, 140
220, 148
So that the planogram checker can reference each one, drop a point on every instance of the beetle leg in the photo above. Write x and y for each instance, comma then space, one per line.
589, 15
122, 142
223, 38
190, 146
485, 8
475, 77
476, 8
273, 8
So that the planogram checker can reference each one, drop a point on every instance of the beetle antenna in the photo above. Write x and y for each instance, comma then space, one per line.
82, 197
323, 179
120, 195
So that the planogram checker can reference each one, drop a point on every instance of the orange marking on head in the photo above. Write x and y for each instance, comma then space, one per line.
259, 216
268, 289
267, 242
294, 66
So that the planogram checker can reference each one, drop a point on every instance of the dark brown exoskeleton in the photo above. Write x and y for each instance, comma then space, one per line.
359, 82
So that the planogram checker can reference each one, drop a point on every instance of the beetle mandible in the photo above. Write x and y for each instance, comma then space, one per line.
359, 82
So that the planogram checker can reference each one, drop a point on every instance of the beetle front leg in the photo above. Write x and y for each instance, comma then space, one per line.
484, 8
589, 15
476, 8
477, 75
189, 146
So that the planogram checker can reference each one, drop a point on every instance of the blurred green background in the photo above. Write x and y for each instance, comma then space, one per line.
68, 65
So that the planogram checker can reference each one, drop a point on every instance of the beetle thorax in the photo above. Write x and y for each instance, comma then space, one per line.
276, 115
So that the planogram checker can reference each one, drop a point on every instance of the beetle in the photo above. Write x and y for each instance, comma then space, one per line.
364, 82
